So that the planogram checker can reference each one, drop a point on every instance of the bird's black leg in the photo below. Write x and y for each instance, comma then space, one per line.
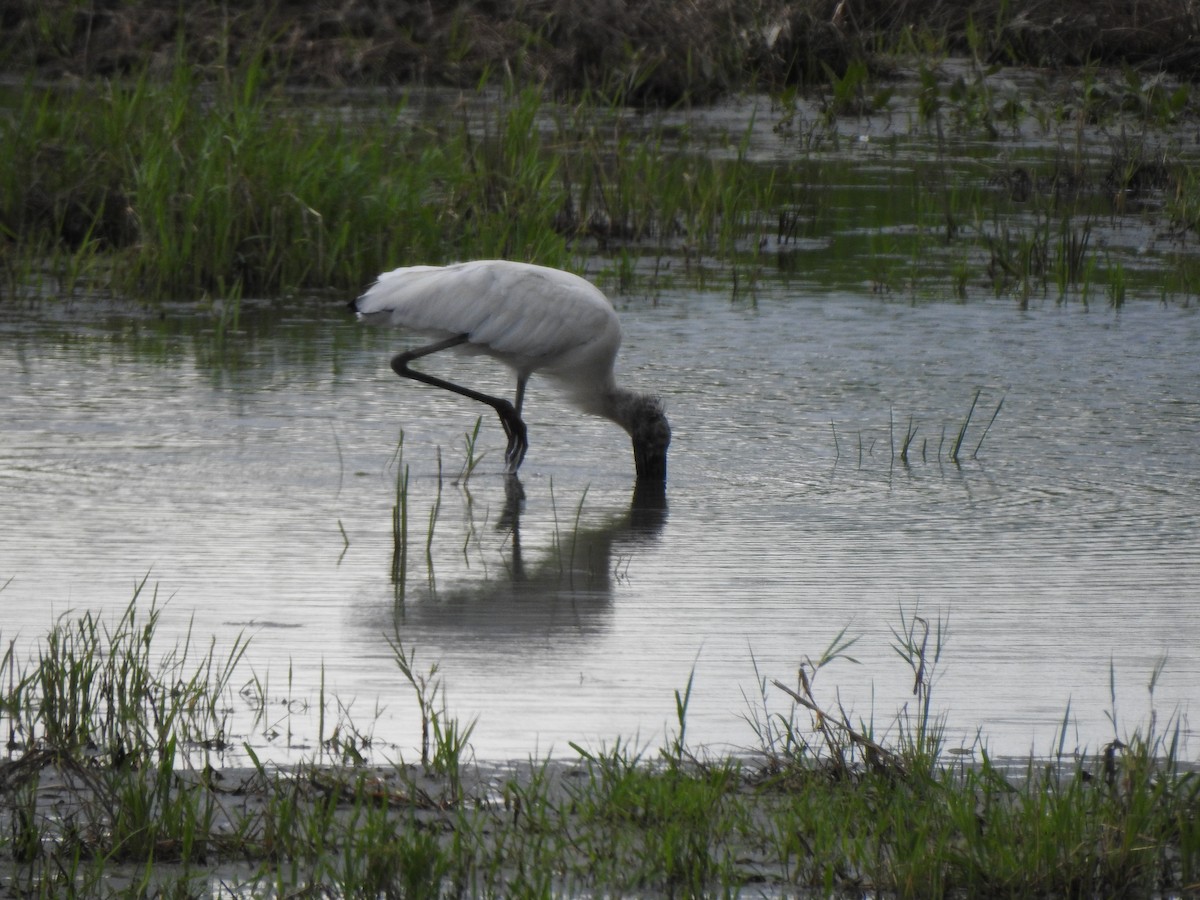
510, 418
520, 398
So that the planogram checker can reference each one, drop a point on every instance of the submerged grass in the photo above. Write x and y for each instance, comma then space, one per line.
100, 797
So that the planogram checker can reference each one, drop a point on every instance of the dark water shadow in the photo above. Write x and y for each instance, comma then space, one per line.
563, 590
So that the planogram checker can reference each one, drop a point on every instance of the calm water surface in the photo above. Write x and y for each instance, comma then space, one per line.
227, 473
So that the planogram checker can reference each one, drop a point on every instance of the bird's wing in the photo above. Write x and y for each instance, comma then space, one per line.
530, 314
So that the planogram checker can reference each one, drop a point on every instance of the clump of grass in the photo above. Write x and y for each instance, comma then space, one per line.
445, 742
848, 92
221, 188
96, 689
648, 828
116, 723
925, 823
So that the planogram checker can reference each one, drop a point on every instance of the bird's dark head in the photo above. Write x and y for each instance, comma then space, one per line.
651, 436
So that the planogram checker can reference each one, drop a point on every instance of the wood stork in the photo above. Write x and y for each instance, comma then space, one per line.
532, 319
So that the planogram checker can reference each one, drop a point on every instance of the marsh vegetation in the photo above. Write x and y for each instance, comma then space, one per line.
949, 176
262, 166
117, 783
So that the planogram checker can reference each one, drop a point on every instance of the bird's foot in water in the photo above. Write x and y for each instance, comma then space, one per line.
518, 442
514, 456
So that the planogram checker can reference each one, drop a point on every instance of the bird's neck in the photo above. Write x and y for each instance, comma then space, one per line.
613, 403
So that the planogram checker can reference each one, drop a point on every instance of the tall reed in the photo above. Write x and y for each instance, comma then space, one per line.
400, 521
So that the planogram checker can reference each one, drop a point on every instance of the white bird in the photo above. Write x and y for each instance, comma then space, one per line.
532, 319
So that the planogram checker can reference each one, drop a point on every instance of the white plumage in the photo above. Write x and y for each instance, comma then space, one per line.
533, 319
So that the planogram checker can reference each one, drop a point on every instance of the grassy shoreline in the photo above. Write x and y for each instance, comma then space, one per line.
113, 784
166, 155
187, 188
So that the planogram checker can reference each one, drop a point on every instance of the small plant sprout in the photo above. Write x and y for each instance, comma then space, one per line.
471, 460
677, 749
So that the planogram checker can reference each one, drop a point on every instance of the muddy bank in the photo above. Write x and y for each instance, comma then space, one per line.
659, 51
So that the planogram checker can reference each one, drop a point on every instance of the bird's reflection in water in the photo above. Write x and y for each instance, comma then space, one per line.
565, 589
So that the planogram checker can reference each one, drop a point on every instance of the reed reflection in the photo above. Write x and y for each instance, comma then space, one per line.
561, 589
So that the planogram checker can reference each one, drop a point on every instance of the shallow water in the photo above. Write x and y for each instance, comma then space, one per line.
228, 470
